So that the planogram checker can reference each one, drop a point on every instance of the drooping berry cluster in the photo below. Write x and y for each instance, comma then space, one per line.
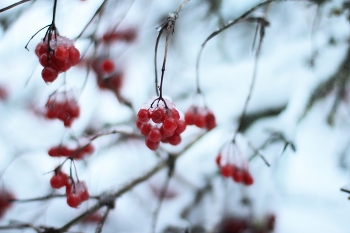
5, 204
56, 57
65, 110
106, 74
77, 154
76, 192
127, 35
201, 117
159, 121
239, 175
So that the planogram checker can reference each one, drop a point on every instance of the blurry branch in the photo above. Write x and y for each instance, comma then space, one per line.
257, 152
338, 83
197, 199
13, 5
19, 225
38, 198
103, 220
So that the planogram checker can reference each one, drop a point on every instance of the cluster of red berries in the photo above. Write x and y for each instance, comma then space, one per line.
106, 74
5, 204
160, 123
127, 35
56, 56
64, 151
66, 110
239, 175
201, 117
76, 192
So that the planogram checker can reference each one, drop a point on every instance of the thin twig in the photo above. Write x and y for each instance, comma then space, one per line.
103, 220
13, 5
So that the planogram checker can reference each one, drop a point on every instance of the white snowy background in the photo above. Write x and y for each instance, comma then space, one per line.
301, 188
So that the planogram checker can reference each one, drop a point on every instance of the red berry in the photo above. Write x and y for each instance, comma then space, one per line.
181, 127
139, 124
237, 176
218, 160
74, 55
81, 191
227, 170
143, 115
154, 135
210, 120
169, 124
49, 74
165, 133
59, 180
190, 116
107, 66
158, 115
152, 145
174, 140
40, 49
5, 197
199, 121
247, 178
73, 200
61, 53
145, 129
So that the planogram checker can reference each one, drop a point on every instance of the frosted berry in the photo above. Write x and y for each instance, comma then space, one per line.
169, 124
152, 145
73, 200
158, 115
61, 53
74, 55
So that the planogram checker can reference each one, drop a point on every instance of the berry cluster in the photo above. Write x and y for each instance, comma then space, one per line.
160, 123
107, 77
56, 57
239, 175
76, 192
127, 35
5, 204
201, 117
77, 154
66, 110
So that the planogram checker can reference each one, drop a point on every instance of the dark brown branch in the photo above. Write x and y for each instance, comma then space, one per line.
13, 5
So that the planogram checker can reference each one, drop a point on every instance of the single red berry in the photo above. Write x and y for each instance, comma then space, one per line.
61, 53
74, 55
199, 121
169, 124
158, 115
210, 120
40, 49
145, 129
190, 116
49, 74
73, 200
107, 66
237, 176
166, 134
81, 191
59, 180
174, 140
154, 135
62, 66
143, 115
54, 151
247, 178
227, 170
152, 145
139, 124
181, 127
